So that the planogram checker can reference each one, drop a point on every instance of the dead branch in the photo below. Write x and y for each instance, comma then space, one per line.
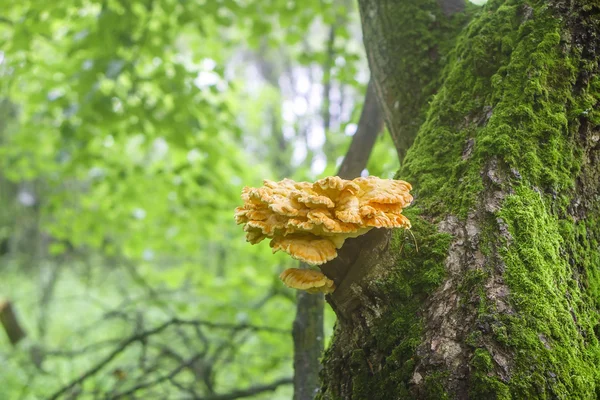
251, 391
9, 321
144, 335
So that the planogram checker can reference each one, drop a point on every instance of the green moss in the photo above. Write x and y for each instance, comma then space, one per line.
507, 88
419, 270
488, 387
508, 98
413, 68
483, 384
434, 386
555, 328
360, 374
472, 280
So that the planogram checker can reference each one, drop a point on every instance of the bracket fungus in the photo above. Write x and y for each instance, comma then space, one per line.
307, 279
310, 221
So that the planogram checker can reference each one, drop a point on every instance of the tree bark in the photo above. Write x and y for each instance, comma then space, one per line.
406, 44
370, 125
307, 332
497, 295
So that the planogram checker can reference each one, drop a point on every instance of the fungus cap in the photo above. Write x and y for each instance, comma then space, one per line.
309, 221
308, 248
307, 279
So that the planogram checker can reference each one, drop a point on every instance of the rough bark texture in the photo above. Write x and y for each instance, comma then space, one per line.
497, 296
307, 333
370, 125
406, 43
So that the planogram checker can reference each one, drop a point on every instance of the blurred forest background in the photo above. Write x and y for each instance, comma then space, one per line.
127, 131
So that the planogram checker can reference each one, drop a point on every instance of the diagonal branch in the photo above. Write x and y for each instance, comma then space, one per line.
251, 391
421, 33
369, 126
159, 380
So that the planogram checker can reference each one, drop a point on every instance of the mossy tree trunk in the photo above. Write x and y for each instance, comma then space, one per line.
497, 295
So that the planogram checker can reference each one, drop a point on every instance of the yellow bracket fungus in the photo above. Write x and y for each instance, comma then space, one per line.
310, 221
307, 279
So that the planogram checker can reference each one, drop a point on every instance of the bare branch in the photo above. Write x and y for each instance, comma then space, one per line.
369, 126
141, 336
157, 381
84, 350
6, 21
251, 391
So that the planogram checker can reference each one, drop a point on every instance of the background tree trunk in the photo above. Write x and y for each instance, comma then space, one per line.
498, 293
308, 325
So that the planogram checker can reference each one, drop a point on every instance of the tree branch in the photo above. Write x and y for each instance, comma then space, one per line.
157, 381
251, 391
141, 336
452, 6
420, 34
369, 126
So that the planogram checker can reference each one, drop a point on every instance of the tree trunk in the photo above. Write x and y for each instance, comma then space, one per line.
308, 335
406, 44
497, 295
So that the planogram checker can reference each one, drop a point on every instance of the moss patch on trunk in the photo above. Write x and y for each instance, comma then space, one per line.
520, 89
516, 117
384, 362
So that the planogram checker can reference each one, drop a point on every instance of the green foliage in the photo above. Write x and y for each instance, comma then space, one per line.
134, 125
384, 159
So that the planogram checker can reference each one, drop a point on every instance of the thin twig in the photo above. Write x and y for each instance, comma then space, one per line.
251, 391
145, 334
157, 381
